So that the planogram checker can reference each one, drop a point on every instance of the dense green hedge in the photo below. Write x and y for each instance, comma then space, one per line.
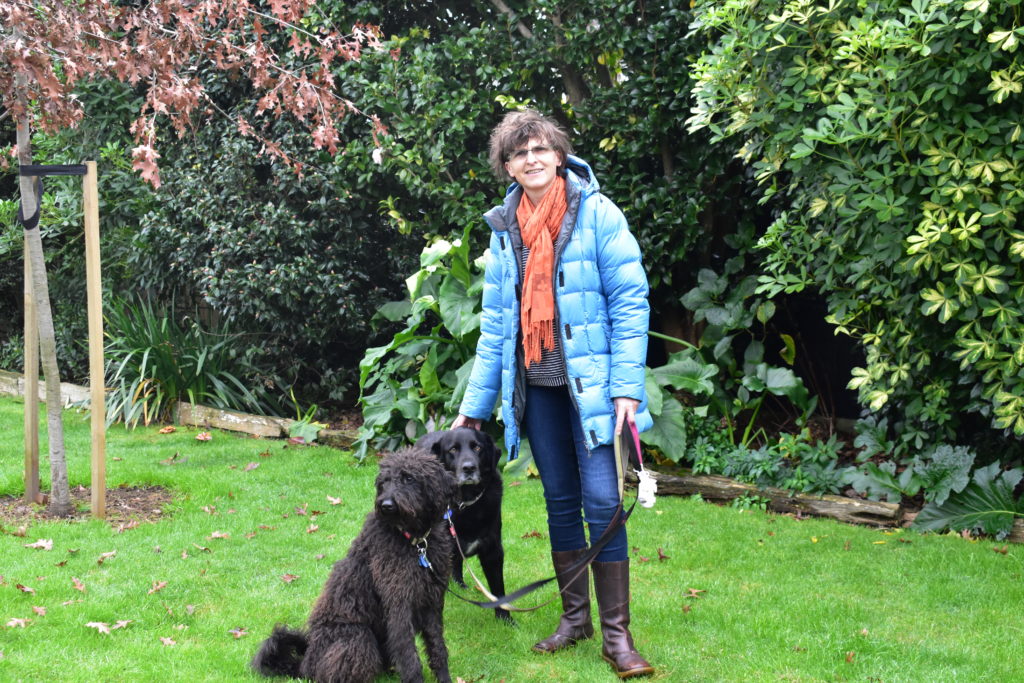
887, 137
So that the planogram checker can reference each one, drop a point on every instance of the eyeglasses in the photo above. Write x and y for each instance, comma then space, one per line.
522, 154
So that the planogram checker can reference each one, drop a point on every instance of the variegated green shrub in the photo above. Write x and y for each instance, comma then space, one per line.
888, 138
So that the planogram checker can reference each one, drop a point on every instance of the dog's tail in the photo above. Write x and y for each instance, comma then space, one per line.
281, 654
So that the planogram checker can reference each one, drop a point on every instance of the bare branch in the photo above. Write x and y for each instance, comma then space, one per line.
523, 29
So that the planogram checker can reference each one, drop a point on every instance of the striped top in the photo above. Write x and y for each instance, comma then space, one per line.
550, 370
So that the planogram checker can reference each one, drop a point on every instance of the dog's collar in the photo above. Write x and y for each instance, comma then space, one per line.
463, 504
421, 547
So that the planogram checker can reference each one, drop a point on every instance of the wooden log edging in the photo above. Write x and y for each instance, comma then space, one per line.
13, 384
196, 415
717, 488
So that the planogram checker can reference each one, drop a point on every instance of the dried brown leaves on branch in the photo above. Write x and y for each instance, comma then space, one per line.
161, 47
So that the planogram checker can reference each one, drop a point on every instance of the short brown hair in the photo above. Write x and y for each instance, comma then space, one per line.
517, 129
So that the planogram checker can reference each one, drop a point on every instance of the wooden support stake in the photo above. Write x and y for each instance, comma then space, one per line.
94, 292
31, 393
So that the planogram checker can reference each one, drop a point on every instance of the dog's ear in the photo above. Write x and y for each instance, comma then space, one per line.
432, 443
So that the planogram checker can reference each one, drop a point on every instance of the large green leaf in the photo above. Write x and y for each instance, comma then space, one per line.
654, 392
669, 431
987, 504
458, 309
688, 374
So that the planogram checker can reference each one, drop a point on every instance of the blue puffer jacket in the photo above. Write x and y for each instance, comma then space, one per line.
602, 314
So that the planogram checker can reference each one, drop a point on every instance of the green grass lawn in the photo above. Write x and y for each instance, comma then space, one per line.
775, 598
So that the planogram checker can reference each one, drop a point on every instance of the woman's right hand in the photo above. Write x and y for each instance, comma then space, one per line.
463, 421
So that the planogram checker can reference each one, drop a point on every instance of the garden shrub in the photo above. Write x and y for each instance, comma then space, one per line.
886, 138
154, 359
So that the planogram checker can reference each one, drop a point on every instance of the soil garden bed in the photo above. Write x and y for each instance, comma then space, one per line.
125, 505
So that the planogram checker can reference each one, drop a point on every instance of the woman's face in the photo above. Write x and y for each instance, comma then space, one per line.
533, 166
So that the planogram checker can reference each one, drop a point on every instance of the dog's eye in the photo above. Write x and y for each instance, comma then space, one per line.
476, 447
407, 478
453, 450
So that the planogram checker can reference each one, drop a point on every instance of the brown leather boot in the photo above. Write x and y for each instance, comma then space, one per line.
574, 624
611, 583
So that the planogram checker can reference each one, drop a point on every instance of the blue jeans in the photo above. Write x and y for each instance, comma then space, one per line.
578, 486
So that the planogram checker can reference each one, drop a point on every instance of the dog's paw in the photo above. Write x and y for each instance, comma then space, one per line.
505, 616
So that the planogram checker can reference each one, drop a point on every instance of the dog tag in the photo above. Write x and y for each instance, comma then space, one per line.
424, 562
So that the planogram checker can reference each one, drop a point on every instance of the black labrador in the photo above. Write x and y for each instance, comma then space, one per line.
471, 456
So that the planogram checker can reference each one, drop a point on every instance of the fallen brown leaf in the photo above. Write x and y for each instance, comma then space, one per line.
219, 534
662, 556
312, 528
121, 528
106, 556
41, 611
694, 592
333, 501
24, 589
850, 657
288, 578
167, 642
157, 585
1001, 551
99, 626
78, 584
41, 544
121, 624
238, 632
204, 436
170, 429
250, 467
18, 623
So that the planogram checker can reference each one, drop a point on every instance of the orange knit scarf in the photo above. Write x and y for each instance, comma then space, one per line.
539, 226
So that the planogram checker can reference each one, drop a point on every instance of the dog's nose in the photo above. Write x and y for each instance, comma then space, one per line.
387, 505
468, 469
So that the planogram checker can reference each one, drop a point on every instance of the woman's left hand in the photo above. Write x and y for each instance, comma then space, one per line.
625, 410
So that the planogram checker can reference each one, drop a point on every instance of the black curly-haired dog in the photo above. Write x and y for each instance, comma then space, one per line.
471, 456
389, 587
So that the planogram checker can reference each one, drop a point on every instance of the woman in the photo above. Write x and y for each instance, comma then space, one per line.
563, 337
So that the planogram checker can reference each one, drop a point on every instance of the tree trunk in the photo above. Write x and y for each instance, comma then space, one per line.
60, 492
